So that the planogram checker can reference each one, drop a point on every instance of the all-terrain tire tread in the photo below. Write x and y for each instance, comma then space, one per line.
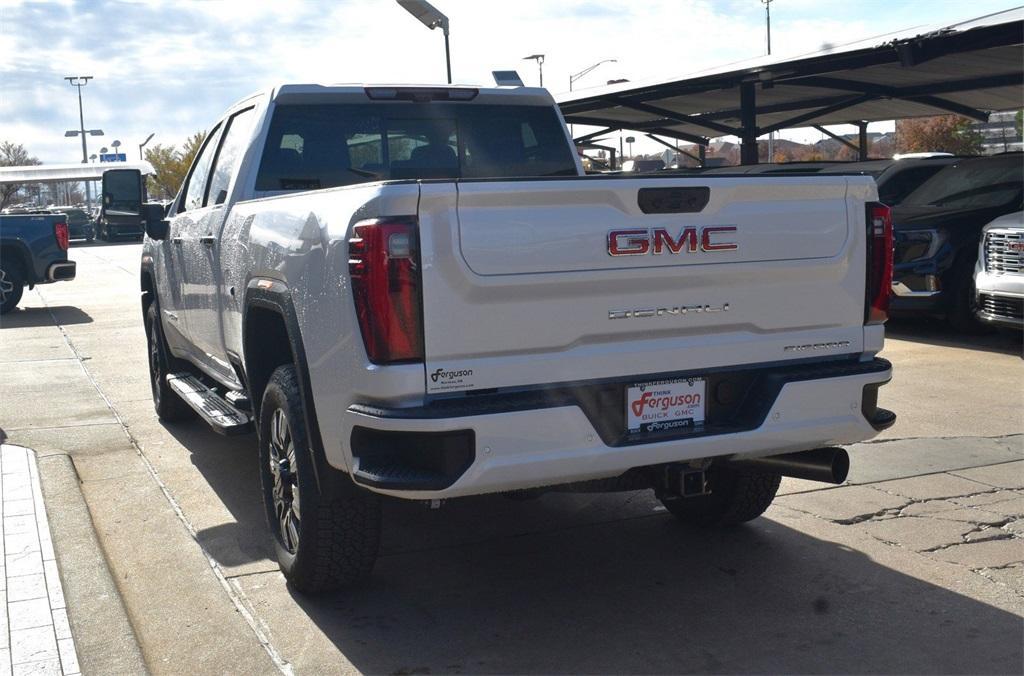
346, 538
737, 496
753, 494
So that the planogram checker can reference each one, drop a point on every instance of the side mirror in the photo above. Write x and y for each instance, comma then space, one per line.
156, 224
122, 192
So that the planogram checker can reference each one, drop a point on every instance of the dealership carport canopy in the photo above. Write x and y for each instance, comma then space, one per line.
970, 68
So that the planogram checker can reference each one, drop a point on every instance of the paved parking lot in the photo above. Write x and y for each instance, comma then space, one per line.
914, 567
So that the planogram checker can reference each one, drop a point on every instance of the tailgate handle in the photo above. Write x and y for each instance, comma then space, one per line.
673, 200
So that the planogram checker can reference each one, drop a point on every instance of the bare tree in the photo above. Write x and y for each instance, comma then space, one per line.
13, 155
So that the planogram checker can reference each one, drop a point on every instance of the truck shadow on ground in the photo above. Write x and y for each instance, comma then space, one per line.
606, 584
229, 465
598, 583
938, 333
26, 317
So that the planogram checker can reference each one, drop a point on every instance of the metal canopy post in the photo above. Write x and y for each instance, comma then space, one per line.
748, 124
862, 140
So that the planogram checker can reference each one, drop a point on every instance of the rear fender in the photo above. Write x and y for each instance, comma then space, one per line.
274, 297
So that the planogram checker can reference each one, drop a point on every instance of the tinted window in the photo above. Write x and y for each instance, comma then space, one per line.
973, 183
894, 188
231, 150
320, 146
122, 192
196, 189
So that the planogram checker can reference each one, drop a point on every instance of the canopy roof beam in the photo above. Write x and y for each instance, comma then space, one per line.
836, 137
672, 147
849, 102
671, 115
580, 140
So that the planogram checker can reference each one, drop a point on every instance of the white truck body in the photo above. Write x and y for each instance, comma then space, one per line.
519, 291
421, 289
999, 273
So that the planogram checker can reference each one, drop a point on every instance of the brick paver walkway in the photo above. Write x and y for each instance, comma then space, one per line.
35, 637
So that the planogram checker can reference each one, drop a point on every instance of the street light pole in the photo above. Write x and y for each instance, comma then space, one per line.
768, 31
144, 143
430, 17
78, 82
573, 78
539, 58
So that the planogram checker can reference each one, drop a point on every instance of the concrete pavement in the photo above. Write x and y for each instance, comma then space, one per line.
915, 568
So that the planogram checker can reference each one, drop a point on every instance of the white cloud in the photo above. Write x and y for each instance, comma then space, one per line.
172, 66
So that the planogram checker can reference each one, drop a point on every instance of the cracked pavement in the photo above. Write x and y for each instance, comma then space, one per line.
914, 566
971, 517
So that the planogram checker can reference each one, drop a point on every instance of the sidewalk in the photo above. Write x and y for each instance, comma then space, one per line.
35, 635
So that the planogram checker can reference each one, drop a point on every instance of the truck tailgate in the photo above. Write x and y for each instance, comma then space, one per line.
566, 280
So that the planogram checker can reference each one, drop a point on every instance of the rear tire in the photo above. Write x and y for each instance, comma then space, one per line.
168, 405
12, 285
736, 496
325, 540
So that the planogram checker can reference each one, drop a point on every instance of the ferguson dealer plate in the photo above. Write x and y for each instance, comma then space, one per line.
665, 405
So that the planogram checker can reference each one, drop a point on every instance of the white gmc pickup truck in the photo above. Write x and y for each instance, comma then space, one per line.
415, 292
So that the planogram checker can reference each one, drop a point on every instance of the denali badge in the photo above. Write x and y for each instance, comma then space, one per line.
666, 311
640, 241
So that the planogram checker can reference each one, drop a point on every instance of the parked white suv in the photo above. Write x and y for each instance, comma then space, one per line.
415, 292
999, 275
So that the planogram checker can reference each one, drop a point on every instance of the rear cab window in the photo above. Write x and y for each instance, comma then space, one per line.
312, 146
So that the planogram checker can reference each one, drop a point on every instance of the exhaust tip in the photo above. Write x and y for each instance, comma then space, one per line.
840, 465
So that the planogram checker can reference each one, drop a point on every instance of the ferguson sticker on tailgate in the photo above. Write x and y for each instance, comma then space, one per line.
449, 380
671, 404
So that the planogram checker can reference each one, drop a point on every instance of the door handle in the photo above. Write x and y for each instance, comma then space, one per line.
208, 240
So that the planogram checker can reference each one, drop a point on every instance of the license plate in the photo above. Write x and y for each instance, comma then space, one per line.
665, 405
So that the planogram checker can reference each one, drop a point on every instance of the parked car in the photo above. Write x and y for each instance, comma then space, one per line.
810, 167
897, 178
999, 275
642, 165
507, 324
80, 225
938, 229
33, 250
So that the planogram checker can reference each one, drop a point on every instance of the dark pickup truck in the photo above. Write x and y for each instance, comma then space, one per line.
33, 250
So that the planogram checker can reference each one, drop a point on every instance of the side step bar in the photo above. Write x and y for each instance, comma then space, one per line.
220, 415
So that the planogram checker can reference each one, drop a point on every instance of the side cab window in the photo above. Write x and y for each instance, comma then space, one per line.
236, 139
195, 188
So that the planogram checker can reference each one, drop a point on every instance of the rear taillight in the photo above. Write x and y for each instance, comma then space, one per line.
879, 277
384, 268
60, 231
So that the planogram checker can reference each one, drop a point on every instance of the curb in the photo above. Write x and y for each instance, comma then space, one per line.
103, 633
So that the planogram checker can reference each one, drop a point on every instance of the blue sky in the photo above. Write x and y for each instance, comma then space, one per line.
171, 67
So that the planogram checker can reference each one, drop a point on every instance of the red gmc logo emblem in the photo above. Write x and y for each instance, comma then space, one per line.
640, 241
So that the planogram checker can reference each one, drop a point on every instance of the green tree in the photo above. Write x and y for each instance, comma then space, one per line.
171, 165
944, 133
13, 155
